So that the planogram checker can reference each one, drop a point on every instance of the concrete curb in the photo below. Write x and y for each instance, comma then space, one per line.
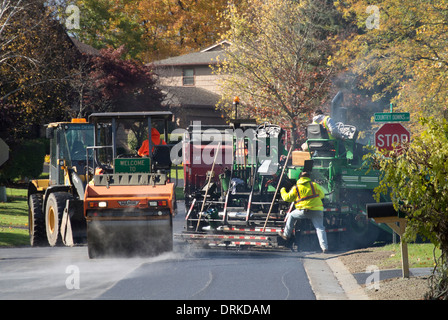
330, 279
348, 283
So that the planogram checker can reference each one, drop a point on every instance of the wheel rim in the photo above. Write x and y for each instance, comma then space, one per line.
51, 219
31, 221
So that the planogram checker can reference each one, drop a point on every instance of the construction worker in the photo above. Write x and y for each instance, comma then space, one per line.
328, 124
307, 196
155, 139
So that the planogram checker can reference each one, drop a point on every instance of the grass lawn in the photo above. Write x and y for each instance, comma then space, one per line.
14, 219
420, 255
179, 170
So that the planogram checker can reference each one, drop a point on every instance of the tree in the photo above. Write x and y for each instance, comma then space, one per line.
403, 54
277, 63
108, 23
415, 179
151, 29
35, 60
111, 83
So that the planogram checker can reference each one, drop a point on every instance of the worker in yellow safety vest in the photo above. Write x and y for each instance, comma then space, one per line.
307, 197
328, 124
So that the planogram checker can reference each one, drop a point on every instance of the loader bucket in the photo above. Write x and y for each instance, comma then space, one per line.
73, 224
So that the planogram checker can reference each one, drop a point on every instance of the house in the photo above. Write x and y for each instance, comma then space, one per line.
191, 87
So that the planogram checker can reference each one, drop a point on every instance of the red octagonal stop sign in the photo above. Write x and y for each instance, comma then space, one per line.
391, 134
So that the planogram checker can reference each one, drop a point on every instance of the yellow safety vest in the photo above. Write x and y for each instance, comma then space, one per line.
305, 195
323, 122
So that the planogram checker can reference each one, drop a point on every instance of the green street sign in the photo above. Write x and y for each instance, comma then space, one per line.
392, 116
132, 165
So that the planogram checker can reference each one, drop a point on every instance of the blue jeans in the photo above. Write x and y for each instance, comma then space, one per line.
316, 217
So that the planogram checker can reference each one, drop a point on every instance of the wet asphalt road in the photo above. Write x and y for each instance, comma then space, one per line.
185, 274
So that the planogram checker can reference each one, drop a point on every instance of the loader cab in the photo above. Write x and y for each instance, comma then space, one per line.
68, 145
130, 142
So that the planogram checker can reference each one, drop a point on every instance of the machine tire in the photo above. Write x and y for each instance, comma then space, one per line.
361, 237
36, 221
54, 210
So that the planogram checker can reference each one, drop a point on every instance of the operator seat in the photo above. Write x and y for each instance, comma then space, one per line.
161, 157
323, 146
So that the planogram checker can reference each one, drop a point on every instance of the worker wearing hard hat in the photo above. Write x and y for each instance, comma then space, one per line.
155, 139
307, 197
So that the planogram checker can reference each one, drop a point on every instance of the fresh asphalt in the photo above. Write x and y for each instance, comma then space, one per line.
186, 273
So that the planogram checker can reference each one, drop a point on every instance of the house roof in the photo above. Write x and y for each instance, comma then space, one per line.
189, 96
207, 56
84, 48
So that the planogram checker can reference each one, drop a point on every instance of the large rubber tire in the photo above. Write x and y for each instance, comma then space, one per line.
360, 235
36, 221
53, 214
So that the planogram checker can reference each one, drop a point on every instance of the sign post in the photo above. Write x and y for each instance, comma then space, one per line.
4, 156
392, 116
385, 213
391, 134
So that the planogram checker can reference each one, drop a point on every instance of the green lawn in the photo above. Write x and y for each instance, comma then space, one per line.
420, 255
179, 170
14, 219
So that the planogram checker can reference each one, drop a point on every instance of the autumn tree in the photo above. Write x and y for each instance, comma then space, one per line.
151, 29
401, 50
35, 61
277, 63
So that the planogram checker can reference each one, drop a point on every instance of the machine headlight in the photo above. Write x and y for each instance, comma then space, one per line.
152, 203
97, 204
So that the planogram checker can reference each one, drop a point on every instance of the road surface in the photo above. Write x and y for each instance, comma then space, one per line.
185, 274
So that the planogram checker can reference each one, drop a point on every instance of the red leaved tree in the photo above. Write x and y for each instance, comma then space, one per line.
107, 82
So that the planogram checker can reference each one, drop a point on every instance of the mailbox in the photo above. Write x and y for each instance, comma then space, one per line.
386, 213
382, 210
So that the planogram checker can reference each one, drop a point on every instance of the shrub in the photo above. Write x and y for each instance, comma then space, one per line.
25, 161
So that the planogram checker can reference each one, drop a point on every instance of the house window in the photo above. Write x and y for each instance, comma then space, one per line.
188, 77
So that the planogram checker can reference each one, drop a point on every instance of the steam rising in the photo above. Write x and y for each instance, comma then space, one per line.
41, 273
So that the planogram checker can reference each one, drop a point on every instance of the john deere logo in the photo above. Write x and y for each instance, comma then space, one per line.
128, 203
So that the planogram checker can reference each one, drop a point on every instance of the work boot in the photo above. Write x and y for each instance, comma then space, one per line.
282, 235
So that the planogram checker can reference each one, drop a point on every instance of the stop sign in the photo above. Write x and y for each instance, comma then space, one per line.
391, 134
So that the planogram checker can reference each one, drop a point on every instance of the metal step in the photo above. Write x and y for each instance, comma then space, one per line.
230, 240
251, 230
